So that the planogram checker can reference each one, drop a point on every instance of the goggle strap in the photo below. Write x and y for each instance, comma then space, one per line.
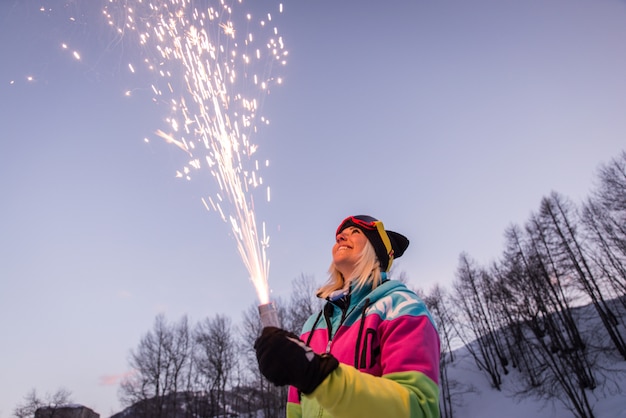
383, 235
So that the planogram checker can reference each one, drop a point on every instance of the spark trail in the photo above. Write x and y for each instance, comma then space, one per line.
207, 61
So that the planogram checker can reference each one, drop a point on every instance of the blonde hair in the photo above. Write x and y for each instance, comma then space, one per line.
366, 269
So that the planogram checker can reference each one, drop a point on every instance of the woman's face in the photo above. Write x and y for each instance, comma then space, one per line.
347, 249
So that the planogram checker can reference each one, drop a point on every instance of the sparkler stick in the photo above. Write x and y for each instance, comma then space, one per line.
269, 315
215, 107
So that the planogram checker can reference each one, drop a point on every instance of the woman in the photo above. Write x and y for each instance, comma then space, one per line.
373, 350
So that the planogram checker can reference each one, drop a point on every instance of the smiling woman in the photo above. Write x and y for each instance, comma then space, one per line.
384, 247
351, 242
376, 353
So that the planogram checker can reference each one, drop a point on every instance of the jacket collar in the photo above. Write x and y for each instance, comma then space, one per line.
346, 298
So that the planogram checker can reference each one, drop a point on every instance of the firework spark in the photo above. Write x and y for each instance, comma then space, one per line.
207, 63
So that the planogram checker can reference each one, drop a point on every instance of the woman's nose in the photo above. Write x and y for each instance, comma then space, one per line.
341, 237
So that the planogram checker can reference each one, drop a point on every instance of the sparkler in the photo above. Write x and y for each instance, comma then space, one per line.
207, 61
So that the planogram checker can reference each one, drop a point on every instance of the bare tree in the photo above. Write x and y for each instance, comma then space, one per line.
158, 364
470, 296
515, 302
215, 359
606, 252
604, 217
555, 358
32, 402
439, 305
557, 294
575, 264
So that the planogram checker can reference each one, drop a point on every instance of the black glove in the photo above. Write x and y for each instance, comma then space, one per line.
284, 359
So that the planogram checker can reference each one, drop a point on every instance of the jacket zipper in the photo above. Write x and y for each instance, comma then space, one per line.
344, 315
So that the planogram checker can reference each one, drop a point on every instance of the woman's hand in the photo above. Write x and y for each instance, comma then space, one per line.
284, 359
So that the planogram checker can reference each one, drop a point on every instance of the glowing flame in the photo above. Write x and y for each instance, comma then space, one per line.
208, 66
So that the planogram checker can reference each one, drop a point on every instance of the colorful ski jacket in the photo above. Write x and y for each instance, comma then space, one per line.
388, 349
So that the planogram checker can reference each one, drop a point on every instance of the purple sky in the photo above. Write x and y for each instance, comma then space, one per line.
447, 120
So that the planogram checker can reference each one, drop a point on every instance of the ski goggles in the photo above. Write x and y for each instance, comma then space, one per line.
370, 224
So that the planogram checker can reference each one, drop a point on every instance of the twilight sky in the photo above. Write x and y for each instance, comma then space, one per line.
448, 120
